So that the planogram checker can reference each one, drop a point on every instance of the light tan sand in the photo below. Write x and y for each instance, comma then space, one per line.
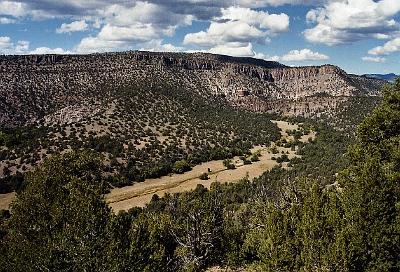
283, 125
5, 200
139, 194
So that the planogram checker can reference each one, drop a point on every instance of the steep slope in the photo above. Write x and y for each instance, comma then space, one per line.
142, 132
65, 88
147, 111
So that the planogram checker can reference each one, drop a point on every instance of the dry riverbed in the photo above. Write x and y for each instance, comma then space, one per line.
139, 194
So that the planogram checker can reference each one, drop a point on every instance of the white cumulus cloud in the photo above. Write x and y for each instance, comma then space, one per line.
5, 44
227, 32
389, 47
8, 47
373, 59
259, 19
157, 46
13, 8
74, 26
234, 32
21, 47
303, 55
352, 20
232, 50
46, 50
127, 27
296, 56
95, 44
5, 21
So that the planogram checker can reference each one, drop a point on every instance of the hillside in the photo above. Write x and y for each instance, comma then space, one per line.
66, 88
327, 212
147, 111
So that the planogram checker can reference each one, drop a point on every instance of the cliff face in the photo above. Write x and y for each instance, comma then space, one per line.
44, 87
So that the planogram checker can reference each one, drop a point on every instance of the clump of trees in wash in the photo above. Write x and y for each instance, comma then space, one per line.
302, 219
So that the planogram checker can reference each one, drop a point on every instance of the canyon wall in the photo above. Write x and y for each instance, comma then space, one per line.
34, 88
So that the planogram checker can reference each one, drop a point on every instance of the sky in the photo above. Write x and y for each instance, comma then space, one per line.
360, 36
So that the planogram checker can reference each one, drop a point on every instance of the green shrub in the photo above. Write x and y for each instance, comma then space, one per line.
204, 176
181, 167
229, 164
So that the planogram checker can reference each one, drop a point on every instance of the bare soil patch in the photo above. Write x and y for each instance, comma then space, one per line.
139, 194
6, 199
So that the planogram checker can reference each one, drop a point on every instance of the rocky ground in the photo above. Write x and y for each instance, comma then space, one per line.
64, 89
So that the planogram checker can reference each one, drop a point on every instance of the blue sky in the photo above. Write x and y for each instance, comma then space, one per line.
360, 36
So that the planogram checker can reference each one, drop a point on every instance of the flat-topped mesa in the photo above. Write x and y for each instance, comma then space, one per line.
290, 73
200, 61
30, 59
180, 60
189, 64
256, 68
185, 61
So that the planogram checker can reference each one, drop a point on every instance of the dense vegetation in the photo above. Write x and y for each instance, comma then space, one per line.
351, 112
329, 213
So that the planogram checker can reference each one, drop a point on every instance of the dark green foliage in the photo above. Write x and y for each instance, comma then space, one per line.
351, 113
255, 157
204, 176
59, 222
229, 164
353, 227
371, 189
198, 228
4, 216
274, 150
323, 158
104, 144
283, 158
11, 183
181, 167
21, 137
117, 181
141, 242
145, 129
246, 161
194, 230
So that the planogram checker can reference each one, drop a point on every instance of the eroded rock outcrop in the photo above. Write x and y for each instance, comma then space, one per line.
35, 88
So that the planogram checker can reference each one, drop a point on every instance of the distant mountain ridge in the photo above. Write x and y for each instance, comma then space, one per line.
387, 77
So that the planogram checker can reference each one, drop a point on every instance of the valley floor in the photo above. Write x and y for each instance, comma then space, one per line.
139, 194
